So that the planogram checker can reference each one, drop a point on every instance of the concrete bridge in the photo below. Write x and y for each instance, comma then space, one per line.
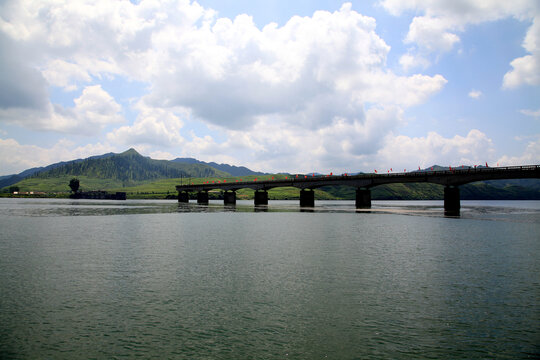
450, 179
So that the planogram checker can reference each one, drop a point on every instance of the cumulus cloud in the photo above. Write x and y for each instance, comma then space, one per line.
96, 107
226, 71
526, 69
317, 88
475, 94
474, 148
430, 34
343, 147
92, 111
162, 155
311, 69
531, 155
64, 74
153, 126
409, 61
436, 30
273, 147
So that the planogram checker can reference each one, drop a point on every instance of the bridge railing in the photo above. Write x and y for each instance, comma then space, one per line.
416, 173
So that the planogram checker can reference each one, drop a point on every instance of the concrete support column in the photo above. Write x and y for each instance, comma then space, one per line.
307, 198
229, 197
452, 204
202, 197
363, 198
183, 196
261, 197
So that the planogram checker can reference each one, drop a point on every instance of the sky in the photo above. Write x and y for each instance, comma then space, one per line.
274, 85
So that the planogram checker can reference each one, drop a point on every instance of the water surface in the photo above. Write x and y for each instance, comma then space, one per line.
112, 279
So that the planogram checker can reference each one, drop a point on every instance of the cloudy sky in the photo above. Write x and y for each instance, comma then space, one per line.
274, 85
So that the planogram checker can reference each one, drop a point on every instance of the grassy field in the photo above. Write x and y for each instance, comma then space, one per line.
158, 189
61, 184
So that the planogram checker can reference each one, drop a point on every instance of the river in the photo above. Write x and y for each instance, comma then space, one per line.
158, 279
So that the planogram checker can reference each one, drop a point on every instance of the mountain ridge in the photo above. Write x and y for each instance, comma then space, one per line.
231, 169
7, 180
195, 168
130, 168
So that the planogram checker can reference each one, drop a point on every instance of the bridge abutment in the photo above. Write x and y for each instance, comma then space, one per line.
452, 204
229, 197
202, 197
307, 198
261, 197
363, 198
183, 196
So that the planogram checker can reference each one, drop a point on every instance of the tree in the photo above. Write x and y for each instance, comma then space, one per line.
13, 189
74, 185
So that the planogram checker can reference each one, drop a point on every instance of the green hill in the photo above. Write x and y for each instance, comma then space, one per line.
492, 190
129, 168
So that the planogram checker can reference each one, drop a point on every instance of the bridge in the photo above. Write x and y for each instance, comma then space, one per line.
450, 179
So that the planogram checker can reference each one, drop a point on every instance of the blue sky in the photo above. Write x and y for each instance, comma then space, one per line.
326, 86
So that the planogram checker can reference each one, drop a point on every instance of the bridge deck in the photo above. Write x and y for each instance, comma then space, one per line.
454, 177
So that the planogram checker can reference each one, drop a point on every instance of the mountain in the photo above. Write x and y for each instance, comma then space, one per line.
230, 169
9, 180
128, 167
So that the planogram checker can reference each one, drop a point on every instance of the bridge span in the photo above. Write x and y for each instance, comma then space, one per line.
450, 179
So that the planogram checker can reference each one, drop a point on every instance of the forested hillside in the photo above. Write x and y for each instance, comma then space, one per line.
494, 190
130, 167
230, 169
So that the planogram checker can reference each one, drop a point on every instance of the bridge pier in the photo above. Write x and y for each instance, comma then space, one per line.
307, 198
183, 196
261, 197
202, 197
363, 198
452, 203
229, 197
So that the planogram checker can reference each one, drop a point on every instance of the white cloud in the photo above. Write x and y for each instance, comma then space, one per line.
62, 73
162, 155
475, 94
317, 88
271, 146
526, 69
409, 61
411, 152
532, 113
153, 126
227, 72
531, 155
96, 107
234, 72
92, 112
436, 30
430, 34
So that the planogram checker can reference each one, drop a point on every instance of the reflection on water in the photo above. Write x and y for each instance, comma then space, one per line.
186, 281
515, 211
